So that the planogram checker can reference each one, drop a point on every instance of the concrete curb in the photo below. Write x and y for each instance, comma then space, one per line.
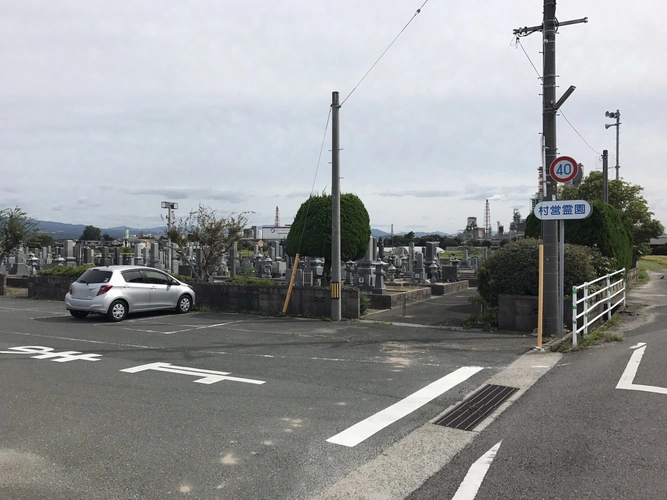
554, 345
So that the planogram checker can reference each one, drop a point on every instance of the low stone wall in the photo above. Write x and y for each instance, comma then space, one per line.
305, 301
389, 301
633, 274
17, 281
48, 287
447, 288
518, 313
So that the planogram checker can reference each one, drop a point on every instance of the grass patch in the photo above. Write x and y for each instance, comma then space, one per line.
12, 290
598, 336
642, 277
653, 263
204, 308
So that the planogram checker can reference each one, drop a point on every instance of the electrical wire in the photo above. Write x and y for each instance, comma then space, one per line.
518, 42
582, 137
384, 52
317, 169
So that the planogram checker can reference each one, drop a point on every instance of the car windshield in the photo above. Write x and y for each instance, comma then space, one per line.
95, 276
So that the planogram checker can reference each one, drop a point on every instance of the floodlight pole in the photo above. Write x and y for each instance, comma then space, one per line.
169, 205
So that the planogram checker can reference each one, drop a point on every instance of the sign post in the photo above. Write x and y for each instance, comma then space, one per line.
562, 210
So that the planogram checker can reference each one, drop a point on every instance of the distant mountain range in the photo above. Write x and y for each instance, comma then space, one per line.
63, 231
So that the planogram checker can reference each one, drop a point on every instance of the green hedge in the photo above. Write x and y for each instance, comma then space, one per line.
513, 269
607, 230
70, 271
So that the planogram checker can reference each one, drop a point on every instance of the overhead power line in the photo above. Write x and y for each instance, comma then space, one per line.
581, 136
384, 52
317, 168
517, 41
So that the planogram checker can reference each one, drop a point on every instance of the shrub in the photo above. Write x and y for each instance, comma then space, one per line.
70, 271
607, 229
364, 303
183, 278
249, 280
513, 269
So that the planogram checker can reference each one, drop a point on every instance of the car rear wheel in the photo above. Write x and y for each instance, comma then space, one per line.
117, 311
184, 304
78, 314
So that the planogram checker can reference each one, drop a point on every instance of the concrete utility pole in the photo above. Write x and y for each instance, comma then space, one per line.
548, 28
335, 209
617, 115
605, 176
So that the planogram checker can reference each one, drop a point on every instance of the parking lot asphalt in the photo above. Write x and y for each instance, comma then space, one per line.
212, 405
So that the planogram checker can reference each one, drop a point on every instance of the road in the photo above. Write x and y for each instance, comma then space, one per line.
210, 405
594, 427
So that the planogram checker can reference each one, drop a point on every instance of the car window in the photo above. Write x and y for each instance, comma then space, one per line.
156, 277
133, 276
95, 276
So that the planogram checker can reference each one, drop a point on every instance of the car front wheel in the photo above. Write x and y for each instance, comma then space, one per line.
117, 311
184, 304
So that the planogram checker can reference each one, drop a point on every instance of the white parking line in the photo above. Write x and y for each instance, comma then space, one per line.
361, 431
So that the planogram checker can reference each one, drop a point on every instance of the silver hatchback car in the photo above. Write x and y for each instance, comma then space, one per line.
117, 291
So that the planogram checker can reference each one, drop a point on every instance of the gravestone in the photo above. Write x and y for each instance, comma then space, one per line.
348, 273
364, 278
418, 275
379, 286
450, 273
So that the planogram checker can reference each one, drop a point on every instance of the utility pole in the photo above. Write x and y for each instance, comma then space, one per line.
605, 176
548, 28
335, 209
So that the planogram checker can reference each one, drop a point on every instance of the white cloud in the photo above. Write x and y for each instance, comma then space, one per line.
224, 103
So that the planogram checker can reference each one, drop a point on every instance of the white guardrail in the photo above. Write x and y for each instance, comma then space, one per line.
611, 286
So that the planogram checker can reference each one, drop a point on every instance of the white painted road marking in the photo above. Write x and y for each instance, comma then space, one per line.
361, 431
47, 353
628, 377
207, 376
473, 480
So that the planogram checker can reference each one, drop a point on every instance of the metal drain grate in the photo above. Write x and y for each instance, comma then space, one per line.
470, 412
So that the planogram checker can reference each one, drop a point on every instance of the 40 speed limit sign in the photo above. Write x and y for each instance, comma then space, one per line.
563, 169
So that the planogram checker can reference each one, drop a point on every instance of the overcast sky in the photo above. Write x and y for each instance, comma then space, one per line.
110, 107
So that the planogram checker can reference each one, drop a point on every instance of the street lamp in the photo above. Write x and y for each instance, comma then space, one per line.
169, 206
617, 116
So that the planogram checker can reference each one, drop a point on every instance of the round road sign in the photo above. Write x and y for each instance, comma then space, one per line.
563, 169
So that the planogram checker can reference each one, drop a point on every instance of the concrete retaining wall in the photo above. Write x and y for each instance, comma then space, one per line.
447, 288
389, 301
48, 287
305, 301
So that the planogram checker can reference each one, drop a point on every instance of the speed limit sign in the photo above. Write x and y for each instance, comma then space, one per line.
563, 169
